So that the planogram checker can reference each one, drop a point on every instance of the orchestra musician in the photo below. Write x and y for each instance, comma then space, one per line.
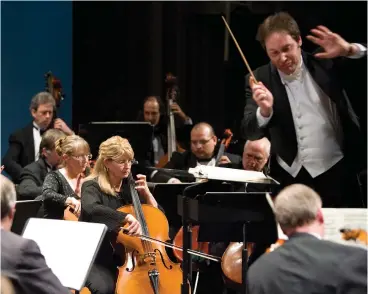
154, 113
103, 192
62, 187
305, 263
202, 144
33, 175
24, 143
21, 259
301, 103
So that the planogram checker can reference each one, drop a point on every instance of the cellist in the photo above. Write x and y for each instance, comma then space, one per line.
103, 192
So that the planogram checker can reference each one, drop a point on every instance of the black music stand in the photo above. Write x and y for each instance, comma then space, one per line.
25, 209
139, 135
247, 217
166, 197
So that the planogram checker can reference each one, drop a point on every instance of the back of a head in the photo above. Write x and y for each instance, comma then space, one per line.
296, 205
49, 138
8, 196
278, 22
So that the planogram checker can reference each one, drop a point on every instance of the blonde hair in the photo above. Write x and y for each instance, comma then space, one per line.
296, 205
69, 144
113, 148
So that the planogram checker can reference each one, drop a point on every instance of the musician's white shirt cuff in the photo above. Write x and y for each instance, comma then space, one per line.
188, 121
262, 121
362, 51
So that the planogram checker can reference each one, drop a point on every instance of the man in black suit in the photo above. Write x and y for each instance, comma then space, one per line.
21, 259
33, 175
24, 143
202, 144
305, 263
154, 113
299, 101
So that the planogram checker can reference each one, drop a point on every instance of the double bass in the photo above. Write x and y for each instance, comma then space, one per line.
196, 245
171, 97
54, 87
147, 267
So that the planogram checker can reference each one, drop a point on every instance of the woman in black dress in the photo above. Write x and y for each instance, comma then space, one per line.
102, 194
62, 188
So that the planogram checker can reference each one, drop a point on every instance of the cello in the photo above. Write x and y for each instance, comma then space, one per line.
196, 245
147, 267
171, 97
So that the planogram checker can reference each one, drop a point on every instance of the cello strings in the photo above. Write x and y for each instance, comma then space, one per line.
138, 213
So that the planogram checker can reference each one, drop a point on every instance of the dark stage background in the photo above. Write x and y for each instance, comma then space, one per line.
122, 50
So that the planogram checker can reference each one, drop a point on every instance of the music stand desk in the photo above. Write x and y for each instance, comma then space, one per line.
250, 211
54, 236
24, 210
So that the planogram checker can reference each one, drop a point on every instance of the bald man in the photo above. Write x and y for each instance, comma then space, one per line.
256, 154
203, 143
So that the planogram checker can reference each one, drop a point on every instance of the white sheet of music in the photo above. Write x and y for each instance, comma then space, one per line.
69, 247
344, 218
227, 174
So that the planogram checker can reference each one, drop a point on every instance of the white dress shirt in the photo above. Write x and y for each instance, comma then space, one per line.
317, 124
36, 139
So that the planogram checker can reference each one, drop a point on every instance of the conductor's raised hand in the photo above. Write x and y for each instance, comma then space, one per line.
262, 96
333, 44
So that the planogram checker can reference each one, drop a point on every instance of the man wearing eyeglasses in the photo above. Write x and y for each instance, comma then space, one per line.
202, 152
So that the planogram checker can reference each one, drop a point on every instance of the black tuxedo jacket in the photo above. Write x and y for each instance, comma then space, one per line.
184, 161
306, 265
21, 152
31, 180
281, 129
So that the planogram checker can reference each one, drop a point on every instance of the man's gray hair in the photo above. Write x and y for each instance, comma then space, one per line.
265, 143
296, 205
41, 98
8, 195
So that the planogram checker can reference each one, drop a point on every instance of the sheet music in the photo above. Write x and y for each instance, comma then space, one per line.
68, 247
348, 218
229, 174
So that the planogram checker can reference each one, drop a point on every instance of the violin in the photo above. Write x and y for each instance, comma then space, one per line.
357, 235
231, 263
171, 97
147, 267
196, 245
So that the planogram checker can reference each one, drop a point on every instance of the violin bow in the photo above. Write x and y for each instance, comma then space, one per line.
240, 51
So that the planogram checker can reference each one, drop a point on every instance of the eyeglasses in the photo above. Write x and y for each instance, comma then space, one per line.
200, 142
81, 157
125, 162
